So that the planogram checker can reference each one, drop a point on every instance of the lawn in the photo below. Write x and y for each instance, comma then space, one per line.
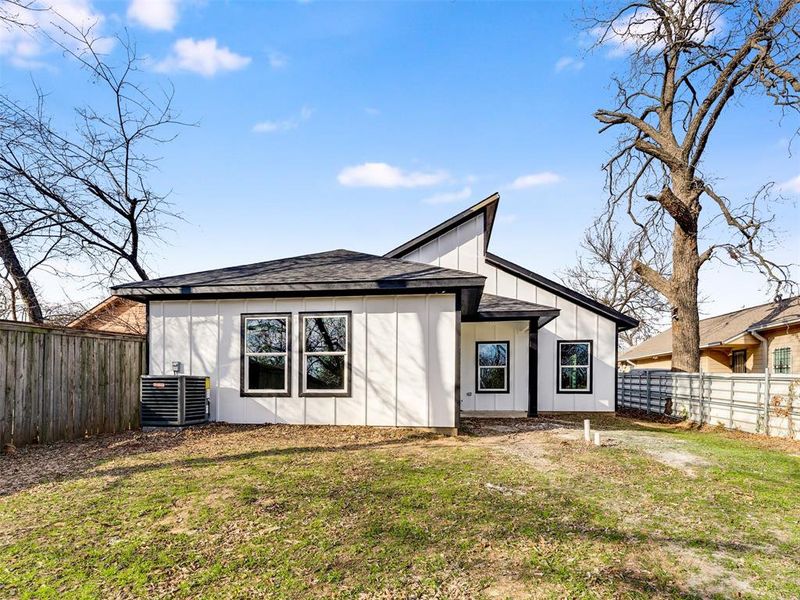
510, 510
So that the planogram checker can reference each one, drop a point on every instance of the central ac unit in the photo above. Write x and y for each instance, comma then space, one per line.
174, 400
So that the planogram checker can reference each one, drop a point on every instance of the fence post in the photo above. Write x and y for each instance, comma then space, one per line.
730, 425
766, 400
648, 392
700, 398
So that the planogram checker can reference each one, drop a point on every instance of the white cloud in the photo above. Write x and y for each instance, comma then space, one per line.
448, 197
284, 124
567, 63
201, 56
382, 175
792, 186
277, 60
534, 180
24, 46
154, 14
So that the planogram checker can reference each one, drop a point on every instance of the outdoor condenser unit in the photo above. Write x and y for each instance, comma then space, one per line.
174, 400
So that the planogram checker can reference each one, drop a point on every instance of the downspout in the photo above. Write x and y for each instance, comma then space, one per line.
765, 354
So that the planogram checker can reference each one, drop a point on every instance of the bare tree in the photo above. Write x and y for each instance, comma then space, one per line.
604, 271
689, 60
92, 183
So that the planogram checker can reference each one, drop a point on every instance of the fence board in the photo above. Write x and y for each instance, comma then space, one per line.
757, 403
60, 383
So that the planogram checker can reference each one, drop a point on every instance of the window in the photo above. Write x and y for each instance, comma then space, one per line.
574, 367
265, 354
782, 360
492, 367
739, 361
325, 362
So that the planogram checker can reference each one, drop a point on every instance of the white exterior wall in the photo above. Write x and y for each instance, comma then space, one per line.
463, 248
403, 355
516, 334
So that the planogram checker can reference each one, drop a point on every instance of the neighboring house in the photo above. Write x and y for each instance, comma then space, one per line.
436, 327
116, 314
744, 341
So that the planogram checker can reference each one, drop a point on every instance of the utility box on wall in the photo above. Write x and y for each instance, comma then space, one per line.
174, 400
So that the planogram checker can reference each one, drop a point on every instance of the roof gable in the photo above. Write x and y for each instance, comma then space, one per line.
488, 208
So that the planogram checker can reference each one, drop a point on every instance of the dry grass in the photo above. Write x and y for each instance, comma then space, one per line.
514, 509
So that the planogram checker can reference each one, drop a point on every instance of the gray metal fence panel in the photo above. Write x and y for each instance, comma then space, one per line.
757, 403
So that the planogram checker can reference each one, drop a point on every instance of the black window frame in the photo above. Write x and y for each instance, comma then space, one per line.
787, 364
507, 388
244, 392
736, 353
301, 351
590, 367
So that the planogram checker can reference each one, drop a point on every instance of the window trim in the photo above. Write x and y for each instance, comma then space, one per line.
244, 392
590, 366
788, 350
507, 388
345, 392
734, 353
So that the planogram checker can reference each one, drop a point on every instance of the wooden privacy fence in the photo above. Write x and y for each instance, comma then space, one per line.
758, 403
61, 384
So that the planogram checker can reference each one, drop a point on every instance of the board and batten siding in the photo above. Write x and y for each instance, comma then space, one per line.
463, 248
516, 334
403, 358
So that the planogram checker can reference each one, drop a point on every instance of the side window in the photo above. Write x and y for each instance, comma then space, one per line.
739, 361
574, 366
491, 362
265, 354
325, 354
782, 360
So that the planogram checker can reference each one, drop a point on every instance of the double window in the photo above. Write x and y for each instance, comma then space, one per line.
782, 360
265, 354
325, 361
492, 367
574, 374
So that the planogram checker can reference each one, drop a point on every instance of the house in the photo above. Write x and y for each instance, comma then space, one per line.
749, 340
436, 327
115, 314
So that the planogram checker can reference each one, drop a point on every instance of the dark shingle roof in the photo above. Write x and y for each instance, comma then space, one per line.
498, 307
337, 270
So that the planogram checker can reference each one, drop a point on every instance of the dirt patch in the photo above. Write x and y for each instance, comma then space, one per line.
709, 577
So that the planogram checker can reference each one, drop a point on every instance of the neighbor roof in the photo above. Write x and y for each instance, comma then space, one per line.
725, 328
334, 271
493, 308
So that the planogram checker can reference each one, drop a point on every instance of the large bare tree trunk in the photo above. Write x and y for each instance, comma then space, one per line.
20, 277
685, 319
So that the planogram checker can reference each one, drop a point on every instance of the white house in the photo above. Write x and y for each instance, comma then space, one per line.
434, 328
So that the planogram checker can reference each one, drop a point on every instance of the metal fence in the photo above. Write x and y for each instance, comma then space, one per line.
60, 384
758, 403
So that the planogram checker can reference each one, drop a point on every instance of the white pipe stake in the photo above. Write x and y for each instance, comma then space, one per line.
586, 431
596, 438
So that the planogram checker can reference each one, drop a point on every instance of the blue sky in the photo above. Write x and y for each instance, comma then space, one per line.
324, 125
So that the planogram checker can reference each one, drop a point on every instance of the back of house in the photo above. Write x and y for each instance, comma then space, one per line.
434, 328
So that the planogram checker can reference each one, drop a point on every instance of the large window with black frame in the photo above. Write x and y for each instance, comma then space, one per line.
325, 353
574, 367
265, 354
491, 374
